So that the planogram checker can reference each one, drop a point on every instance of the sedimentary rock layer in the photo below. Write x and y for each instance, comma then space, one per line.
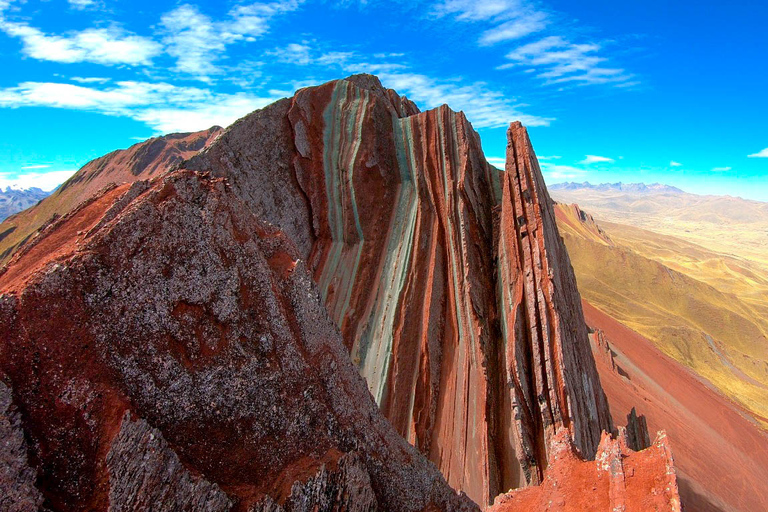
446, 277
619, 480
166, 346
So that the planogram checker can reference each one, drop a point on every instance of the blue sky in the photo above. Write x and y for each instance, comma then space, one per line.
671, 92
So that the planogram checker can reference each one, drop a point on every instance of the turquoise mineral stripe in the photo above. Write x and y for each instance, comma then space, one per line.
343, 118
354, 130
376, 344
330, 147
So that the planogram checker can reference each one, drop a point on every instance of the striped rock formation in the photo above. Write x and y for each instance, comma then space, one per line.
261, 326
446, 277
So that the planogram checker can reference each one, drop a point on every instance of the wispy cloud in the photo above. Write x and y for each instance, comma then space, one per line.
40, 166
476, 10
524, 25
497, 161
594, 159
759, 154
721, 169
82, 4
557, 60
90, 80
552, 157
162, 106
109, 46
506, 19
675, 164
45, 181
198, 42
562, 172
300, 54
483, 106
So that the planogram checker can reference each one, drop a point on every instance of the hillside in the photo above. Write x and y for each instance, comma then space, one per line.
141, 161
729, 226
704, 309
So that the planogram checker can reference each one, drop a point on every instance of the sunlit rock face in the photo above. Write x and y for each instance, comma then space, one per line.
446, 277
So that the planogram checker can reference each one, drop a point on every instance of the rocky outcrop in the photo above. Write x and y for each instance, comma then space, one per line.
618, 480
142, 161
187, 312
468, 333
17, 478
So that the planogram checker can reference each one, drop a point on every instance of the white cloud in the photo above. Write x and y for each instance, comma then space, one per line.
594, 159
553, 157
476, 10
497, 161
107, 46
721, 169
43, 180
561, 172
759, 154
484, 107
300, 55
90, 80
675, 164
82, 4
508, 19
515, 29
162, 106
557, 60
42, 166
198, 42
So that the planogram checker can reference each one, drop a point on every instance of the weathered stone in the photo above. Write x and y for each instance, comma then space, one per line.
471, 338
146, 474
17, 479
618, 480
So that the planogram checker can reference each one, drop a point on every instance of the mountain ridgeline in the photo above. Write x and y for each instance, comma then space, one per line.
335, 304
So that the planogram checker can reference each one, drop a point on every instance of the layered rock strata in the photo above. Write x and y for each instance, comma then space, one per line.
619, 480
166, 347
446, 277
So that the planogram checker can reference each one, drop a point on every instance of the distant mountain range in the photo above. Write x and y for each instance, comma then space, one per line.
655, 188
15, 200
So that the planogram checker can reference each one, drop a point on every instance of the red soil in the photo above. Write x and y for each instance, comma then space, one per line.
721, 455
60, 242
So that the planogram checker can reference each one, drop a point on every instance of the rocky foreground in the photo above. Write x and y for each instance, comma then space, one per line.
264, 325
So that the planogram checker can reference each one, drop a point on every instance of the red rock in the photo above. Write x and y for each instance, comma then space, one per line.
411, 237
720, 455
619, 480
141, 161
189, 303
179, 306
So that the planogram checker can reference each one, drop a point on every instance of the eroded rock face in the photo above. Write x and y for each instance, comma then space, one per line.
173, 302
17, 478
469, 334
619, 479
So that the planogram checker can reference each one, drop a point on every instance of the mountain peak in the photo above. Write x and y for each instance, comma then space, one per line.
653, 188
